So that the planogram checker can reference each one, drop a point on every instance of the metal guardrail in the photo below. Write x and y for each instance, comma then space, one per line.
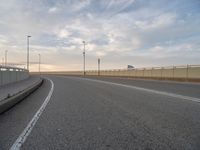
12, 74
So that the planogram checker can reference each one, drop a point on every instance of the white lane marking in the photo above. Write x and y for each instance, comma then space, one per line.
23, 136
146, 90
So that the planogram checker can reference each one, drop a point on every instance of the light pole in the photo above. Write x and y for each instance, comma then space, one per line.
28, 36
98, 66
39, 63
6, 51
84, 58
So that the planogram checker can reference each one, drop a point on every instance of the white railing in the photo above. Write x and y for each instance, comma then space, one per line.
12, 74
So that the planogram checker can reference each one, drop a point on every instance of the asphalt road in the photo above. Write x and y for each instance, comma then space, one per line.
96, 114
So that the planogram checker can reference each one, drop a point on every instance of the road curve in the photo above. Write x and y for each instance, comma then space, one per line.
86, 114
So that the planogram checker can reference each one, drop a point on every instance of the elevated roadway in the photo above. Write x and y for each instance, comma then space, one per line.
104, 113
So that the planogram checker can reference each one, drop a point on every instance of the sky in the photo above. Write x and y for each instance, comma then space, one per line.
142, 33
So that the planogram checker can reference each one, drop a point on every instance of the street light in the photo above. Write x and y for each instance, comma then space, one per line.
28, 36
84, 58
39, 63
6, 51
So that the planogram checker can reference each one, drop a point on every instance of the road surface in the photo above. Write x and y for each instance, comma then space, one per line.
104, 113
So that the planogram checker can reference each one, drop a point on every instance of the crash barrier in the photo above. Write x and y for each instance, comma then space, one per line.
12, 74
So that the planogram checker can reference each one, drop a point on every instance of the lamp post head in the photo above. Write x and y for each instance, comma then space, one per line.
28, 36
83, 42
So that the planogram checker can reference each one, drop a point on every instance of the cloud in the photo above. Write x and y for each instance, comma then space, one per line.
118, 6
52, 10
127, 30
157, 22
174, 50
63, 33
80, 4
100, 54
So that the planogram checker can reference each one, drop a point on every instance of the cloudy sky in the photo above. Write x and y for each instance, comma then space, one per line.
142, 33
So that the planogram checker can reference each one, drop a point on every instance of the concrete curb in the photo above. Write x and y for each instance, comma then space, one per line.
10, 102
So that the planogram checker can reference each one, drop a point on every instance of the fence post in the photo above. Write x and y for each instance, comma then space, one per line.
143, 72
0, 76
136, 72
187, 72
162, 72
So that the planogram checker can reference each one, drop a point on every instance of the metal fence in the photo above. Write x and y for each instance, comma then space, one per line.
170, 72
12, 74
188, 72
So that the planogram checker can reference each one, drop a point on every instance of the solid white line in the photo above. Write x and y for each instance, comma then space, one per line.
23, 136
146, 90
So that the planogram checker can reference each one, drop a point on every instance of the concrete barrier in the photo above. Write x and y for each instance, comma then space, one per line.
12, 74
11, 101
